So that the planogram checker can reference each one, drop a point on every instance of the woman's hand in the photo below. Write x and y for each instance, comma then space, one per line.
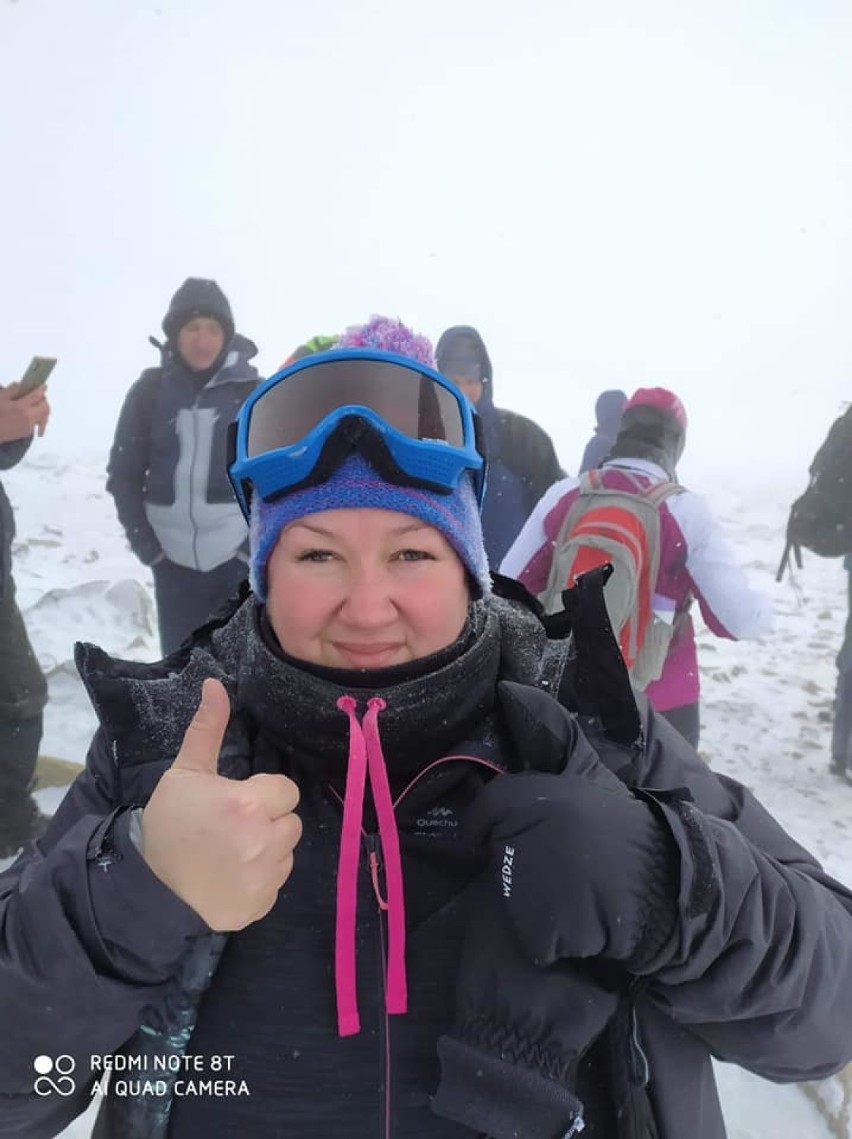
224, 846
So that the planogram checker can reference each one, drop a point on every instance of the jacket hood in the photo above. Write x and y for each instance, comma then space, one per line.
246, 349
465, 332
608, 409
156, 701
198, 297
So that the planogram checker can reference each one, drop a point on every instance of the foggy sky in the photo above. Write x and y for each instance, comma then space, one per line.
614, 197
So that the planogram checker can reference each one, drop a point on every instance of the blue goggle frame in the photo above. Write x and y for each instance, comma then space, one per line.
280, 461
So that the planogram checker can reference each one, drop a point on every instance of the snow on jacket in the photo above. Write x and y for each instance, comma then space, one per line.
695, 561
98, 957
522, 461
167, 466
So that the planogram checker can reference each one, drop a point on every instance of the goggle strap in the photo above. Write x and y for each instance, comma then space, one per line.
354, 434
231, 442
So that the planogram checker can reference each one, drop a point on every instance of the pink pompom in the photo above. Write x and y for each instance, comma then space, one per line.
387, 335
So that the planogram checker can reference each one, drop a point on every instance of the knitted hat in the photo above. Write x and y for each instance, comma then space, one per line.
356, 483
662, 399
387, 335
198, 297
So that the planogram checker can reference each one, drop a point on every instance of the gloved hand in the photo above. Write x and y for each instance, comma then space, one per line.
583, 867
509, 1066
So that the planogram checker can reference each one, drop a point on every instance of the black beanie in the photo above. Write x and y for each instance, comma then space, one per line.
198, 297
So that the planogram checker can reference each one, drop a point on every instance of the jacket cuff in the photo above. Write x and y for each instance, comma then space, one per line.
502, 1100
144, 925
695, 886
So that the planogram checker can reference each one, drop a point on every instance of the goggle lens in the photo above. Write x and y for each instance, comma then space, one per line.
409, 401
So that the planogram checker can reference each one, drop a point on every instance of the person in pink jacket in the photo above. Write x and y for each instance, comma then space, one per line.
696, 561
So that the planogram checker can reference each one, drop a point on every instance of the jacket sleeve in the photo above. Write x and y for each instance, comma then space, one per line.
12, 453
89, 936
127, 469
729, 604
761, 963
530, 555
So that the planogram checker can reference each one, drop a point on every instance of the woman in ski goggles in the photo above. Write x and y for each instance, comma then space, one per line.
414, 425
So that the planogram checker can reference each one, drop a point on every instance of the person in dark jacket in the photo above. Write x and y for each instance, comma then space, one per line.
381, 880
608, 408
167, 464
23, 690
522, 462
841, 732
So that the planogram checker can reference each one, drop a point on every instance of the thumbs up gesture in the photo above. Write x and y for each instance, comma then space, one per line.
224, 846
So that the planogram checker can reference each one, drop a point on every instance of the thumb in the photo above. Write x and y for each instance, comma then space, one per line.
203, 739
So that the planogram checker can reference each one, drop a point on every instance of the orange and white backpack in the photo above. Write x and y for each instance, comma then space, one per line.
621, 527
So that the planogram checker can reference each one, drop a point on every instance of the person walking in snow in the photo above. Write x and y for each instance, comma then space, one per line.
608, 409
167, 464
695, 560
383, 869
23, 690
522, 461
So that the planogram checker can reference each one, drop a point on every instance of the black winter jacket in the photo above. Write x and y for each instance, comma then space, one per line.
98, 957
167, 466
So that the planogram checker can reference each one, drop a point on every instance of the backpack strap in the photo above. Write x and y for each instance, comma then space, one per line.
660, 491
656, 492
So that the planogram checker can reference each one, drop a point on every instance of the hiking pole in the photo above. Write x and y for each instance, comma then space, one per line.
785, 558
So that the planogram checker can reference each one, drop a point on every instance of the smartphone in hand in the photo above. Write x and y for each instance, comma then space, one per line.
36, 374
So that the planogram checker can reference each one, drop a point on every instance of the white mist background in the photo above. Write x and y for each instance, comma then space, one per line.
615, 196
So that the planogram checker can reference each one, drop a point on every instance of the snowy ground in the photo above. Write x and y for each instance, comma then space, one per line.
766, 707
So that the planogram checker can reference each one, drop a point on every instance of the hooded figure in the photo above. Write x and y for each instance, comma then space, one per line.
608, 410
695, 560
522, 462
23, 689
385, 878
167, 467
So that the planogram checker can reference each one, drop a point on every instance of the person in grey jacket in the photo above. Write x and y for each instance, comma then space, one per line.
381, 859
167, 464
608, 408
23, 690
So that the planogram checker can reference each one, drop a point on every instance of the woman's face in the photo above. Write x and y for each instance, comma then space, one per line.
363, 588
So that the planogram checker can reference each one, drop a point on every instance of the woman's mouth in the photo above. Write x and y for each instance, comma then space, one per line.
369, 655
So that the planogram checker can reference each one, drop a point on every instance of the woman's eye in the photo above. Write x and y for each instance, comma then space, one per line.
314, 556
415, 556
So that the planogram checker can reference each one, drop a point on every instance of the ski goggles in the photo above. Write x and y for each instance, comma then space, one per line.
421, 420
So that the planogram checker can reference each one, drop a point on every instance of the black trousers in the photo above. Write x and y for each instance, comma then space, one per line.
23, 695
187, 597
